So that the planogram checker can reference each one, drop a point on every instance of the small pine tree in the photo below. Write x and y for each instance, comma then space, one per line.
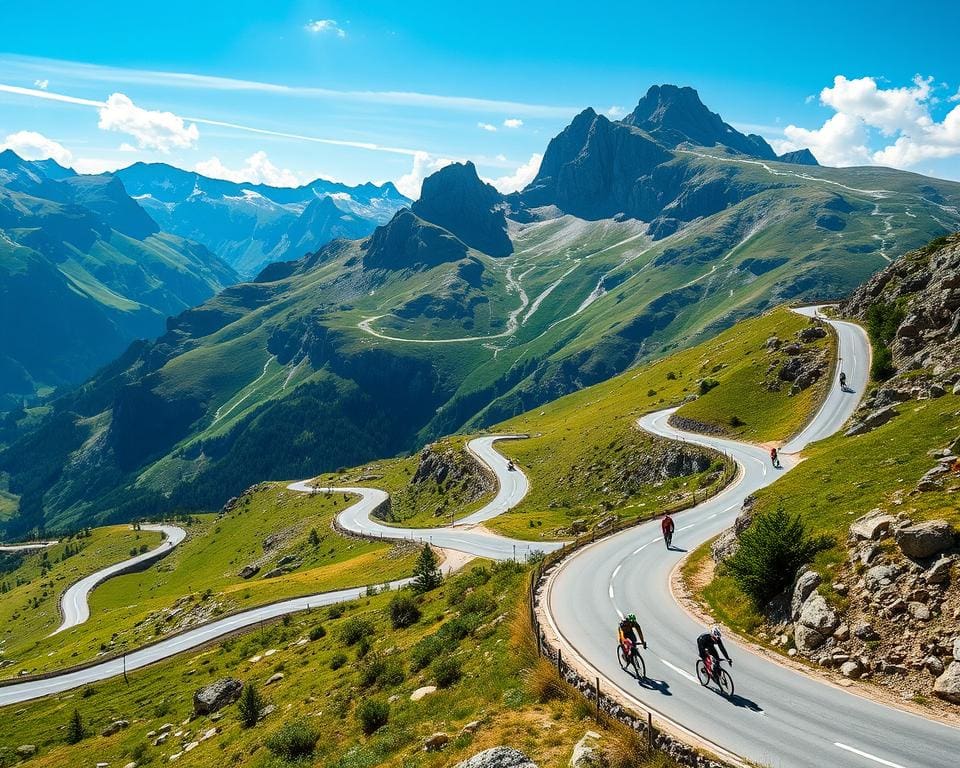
75, 730
426, 574
314, 538
251, 702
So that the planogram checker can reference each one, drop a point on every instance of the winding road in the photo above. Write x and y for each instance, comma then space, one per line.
778, 716
74, 604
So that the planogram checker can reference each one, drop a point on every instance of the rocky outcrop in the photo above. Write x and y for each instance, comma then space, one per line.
870, 421
726, 544
456, 199
947, 685
498, 757
798, 157
409, 242
925, 539
216, 696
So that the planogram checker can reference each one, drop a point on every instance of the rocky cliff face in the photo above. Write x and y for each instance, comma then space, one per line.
456, 199
798, 157
409, 242
675, 115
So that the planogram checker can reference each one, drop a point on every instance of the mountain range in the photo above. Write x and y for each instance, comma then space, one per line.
84, 270
251, 225
636, 237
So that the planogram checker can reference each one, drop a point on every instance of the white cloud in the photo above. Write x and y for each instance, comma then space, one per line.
99, 164
487, 127
423, 165
152, 129
256, 169
325, 26
513, 122
31, 145
125, 147
519, 178
867, 114
614, 112
41, 84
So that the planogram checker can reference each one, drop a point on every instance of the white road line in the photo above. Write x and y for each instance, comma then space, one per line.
610, 591
615, 572
640, 549
679, 671
683, 528
867, 755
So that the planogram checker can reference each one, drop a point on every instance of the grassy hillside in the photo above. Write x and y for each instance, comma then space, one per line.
201, 578
328, 678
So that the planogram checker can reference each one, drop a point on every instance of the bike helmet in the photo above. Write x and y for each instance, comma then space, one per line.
715, 632
631, 617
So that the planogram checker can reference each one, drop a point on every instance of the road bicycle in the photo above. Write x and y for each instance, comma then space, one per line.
632, 658
719, 675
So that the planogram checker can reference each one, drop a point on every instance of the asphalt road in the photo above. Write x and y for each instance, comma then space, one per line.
74, 605
777, 717
471, 540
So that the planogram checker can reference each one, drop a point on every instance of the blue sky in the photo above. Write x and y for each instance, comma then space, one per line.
400, 88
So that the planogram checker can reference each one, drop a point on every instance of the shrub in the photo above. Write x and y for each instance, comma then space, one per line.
363, 647
736, 421
372, 714
707, 384
426, 574
543, 681
76, 732
377, 668
337, 661
318, 632
771, 550
425, 651
249, 706
354, 629
293, 740
478, 602
883, 319
446, 671
403, 611
881, 367
335, 611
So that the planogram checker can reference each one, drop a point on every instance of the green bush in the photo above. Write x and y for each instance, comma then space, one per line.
318, 632
377, 668
250, 704
335, 611
446, 671
372, 714
425, 651
881, 367
883, 319
403, 611
478, 602
293, 740
771, 550
426, 574
706, 385
76, 732
337, 661
355, 629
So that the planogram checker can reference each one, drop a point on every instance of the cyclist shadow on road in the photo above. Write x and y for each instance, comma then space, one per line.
740, 701
652, 684
673, 548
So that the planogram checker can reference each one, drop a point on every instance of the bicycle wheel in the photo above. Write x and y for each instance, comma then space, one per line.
725, 682
702, 675
622, 657
639, 666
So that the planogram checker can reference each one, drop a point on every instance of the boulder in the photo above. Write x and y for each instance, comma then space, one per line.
872, 526
26, 750
871, 421
956, 648
817, 614
806, 582
880, 576
436, 742
864, 630
217, 695
811, 333
498, 757
947, 686
919, 611
933, 665
851, 669
249, 571
421, 692
274, 678
924, 539
115, 727
807, 639
585, 753
472, 727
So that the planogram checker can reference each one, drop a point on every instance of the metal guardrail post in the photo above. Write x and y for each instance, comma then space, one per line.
598, 699
649, 731
560, 662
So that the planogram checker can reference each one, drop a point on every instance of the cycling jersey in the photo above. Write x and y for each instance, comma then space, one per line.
666, 525
707, 644
630, 630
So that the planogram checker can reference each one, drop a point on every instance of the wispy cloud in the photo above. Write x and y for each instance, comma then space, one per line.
615, 112
41, 84
121, 76
152, 129
487, 127
513, 122
325, 26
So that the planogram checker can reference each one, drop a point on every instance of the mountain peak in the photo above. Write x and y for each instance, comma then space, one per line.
799, 157
456, 199
675, 114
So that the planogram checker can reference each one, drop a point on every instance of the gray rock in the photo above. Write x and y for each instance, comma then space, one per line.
807, 639
217, 695
817, 614
919, 611
933, 665
25, 750
864, 631
806, 582
880, 576
871, 421
115, 727
436, 742
956, 648
274, 678
842, 633
872, 526
585, 753
248, 571
947, 686
498, 757
851, 669
924, 539
811, 333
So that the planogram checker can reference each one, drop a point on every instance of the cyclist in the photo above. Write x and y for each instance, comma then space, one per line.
707, 644
774, 458
843, 380
667, 526
630, 634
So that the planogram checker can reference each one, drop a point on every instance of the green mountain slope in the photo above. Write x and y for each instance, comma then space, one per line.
84, 271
